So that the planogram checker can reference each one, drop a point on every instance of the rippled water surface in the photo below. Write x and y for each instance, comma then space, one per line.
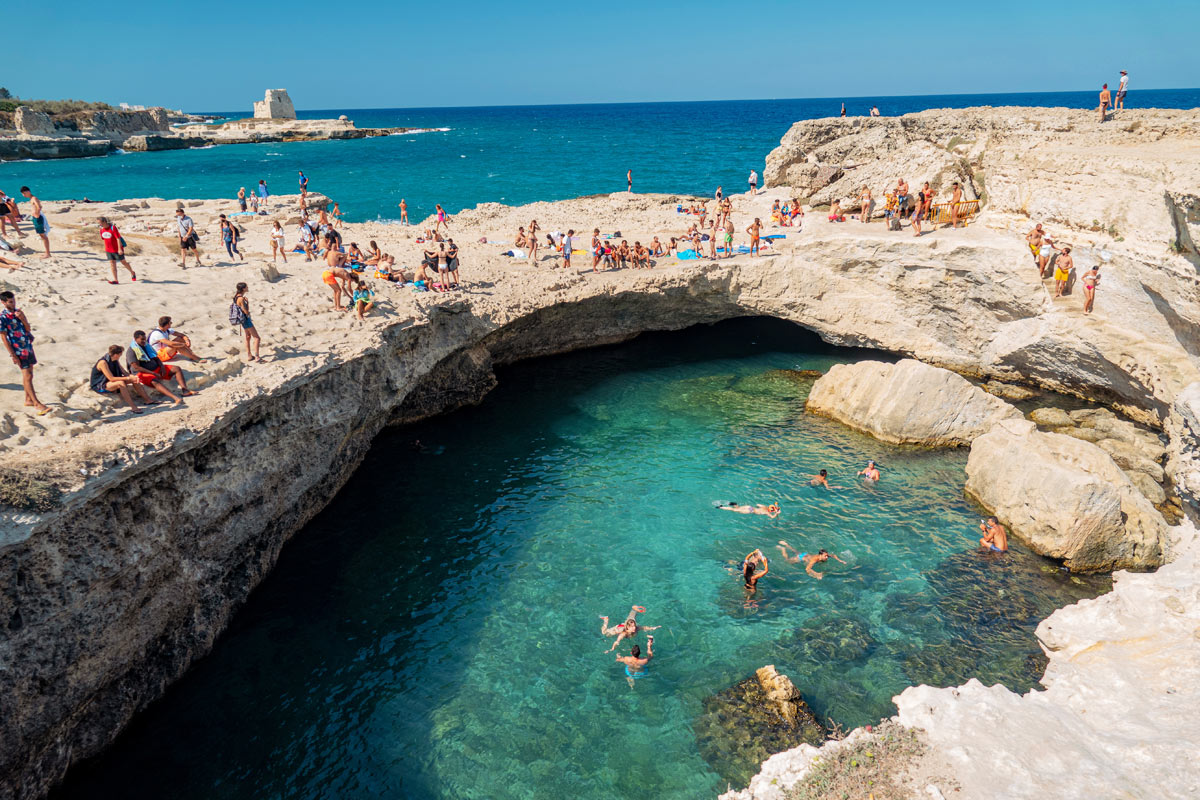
434, 632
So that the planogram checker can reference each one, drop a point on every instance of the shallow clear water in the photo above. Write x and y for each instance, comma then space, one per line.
434, 632
508, 154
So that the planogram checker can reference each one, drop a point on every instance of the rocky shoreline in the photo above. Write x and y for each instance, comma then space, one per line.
160, 531
28, 134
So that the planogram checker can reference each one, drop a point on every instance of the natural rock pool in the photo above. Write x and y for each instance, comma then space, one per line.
434, 633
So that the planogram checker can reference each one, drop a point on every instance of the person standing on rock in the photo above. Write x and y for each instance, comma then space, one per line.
239, 310
188, 239
303, 187
38, 219
114, 249
242, 199
955, 203
403, 212
1105, 100
629, 180
18, 339
1090, 279
995, 539
1120, 101
755, 231
635, 665
263, 194
843, 109
1034, 240
753, 182
1062, 271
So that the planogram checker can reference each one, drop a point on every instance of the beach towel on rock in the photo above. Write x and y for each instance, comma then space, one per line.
687, 255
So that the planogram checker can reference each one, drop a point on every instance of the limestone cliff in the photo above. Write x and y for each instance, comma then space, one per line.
107, 598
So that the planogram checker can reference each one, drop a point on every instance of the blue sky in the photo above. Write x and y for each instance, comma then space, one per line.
380, 53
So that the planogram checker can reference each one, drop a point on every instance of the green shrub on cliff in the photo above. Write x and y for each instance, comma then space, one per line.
53, 106
30, 491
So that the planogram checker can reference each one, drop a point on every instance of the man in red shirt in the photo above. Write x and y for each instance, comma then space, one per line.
114, 248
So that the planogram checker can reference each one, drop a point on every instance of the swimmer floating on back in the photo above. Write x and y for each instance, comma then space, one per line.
809, 560
627, 629
870, 472
771, 511
822, 479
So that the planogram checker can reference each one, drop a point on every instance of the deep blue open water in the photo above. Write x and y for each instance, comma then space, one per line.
512, 155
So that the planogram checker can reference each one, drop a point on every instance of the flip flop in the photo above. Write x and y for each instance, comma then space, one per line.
135, 276
44, 412
114, 283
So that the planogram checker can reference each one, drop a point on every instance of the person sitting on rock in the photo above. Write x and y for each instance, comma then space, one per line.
149, 369
169, 343
627, 629
995, 538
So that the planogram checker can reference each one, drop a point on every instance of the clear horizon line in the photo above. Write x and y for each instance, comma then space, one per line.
835, 98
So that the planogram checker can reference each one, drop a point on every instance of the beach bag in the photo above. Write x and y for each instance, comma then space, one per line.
236, 315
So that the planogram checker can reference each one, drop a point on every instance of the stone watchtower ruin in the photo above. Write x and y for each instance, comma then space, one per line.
275, 105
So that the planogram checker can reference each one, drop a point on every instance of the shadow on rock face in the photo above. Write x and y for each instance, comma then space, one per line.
989, 607
741, 727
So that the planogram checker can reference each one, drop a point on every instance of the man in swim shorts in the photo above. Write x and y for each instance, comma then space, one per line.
1034, 240
809, 560
869, 473
1119, 102
1062, 271
753, 182
728, 237
995, 538
38, 219
635, 664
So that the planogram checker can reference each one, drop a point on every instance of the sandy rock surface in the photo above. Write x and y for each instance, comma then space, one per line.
907, 403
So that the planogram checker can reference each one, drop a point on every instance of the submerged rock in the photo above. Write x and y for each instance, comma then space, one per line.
744, 724
908, 403
840, 640
987, 608
1065, 498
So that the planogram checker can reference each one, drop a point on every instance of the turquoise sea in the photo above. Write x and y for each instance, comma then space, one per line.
434, 633
512, 155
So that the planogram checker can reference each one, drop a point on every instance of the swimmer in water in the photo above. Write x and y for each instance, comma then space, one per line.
771, 511
749, 576
822, 479
627, 629
995, 538
635, 664
870, 473
809, 560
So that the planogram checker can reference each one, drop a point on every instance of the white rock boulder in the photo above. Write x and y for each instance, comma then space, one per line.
908, 402
1065, 498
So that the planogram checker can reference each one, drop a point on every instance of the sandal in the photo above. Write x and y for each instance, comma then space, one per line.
114, 283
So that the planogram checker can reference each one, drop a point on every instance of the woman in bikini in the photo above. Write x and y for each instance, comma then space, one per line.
750, 578
865, 200
1090, 279
442, 219
531, 239
809, 560
627, 629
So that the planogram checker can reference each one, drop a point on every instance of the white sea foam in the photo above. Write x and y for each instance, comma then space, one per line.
418, 130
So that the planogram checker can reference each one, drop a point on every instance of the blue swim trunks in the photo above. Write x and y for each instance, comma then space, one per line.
634, 675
